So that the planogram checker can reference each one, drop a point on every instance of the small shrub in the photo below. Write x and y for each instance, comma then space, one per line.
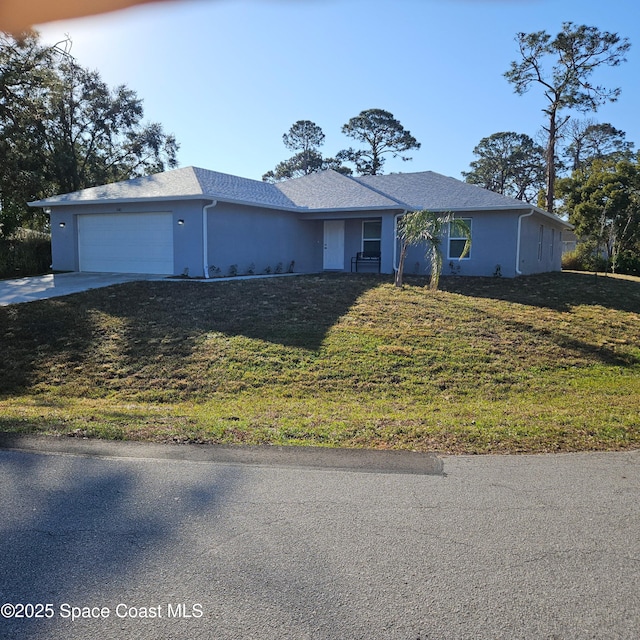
628, 262
585, 257
233, 270
571, 261
278, 268
292, 265
267, 269
591, 258
214, 272
251, 269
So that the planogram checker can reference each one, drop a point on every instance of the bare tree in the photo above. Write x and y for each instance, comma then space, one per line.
574, 54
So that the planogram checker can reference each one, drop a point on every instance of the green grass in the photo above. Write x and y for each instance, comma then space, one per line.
542, 363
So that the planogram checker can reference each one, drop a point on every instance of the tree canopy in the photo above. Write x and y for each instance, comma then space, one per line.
508, 163
306, 138
63, 129
602, 200
562, 67
377, 129
381, 134
303, 136
589, 140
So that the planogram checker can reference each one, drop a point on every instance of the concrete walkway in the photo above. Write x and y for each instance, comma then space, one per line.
62, 284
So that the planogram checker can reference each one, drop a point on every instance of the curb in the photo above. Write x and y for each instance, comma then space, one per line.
358, 460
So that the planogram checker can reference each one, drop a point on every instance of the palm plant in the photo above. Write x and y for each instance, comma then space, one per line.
427, 228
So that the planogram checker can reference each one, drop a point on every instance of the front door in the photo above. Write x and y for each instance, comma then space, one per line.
333, 256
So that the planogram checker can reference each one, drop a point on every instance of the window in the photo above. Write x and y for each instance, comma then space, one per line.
540, 241
553, 241
371, 236
457, 239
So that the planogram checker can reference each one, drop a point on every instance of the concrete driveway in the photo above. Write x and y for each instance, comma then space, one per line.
62, 284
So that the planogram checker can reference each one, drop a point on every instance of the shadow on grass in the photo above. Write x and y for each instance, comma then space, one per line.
572, 347
127, 327
557, 291
139, 339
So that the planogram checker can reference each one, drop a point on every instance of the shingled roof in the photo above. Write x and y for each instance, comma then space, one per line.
188, 183
332, 190
325, 191
433, 191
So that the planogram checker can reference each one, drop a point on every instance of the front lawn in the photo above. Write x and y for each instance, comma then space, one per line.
542, 363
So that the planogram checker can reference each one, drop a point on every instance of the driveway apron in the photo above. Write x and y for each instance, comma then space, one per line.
61, 284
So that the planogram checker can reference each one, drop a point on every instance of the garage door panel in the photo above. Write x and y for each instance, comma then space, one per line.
126, 243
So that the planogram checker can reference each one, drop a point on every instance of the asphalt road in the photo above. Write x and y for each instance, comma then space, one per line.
218, 546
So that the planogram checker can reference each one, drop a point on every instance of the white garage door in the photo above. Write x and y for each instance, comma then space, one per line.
126, 242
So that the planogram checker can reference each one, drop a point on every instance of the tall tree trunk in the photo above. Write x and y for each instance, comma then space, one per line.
550, 159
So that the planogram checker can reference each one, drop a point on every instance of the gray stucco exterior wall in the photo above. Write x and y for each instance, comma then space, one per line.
540, 245
260, 240
187, 237
64, 236
243, 239
387, 244
495, 248
205, 223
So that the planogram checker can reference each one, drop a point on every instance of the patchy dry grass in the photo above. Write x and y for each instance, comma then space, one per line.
543, 363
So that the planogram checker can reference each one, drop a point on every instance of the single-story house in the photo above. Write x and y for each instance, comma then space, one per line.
201, 223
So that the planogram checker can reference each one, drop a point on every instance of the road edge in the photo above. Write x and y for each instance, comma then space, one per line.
360, 460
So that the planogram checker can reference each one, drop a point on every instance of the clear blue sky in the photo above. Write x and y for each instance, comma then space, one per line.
229, 77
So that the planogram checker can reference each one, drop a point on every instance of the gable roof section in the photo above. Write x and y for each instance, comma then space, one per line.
228, 188
433, 191
188, 183
330, 190
179, 182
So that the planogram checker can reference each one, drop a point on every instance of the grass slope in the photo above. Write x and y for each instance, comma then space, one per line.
542, 363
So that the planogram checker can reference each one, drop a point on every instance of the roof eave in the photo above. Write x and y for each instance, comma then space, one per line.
320, 211
76, 203
554, 217
505, 207
117, 201
290, 208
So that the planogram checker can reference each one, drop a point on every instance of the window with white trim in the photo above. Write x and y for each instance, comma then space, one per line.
371, 236
457, 240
